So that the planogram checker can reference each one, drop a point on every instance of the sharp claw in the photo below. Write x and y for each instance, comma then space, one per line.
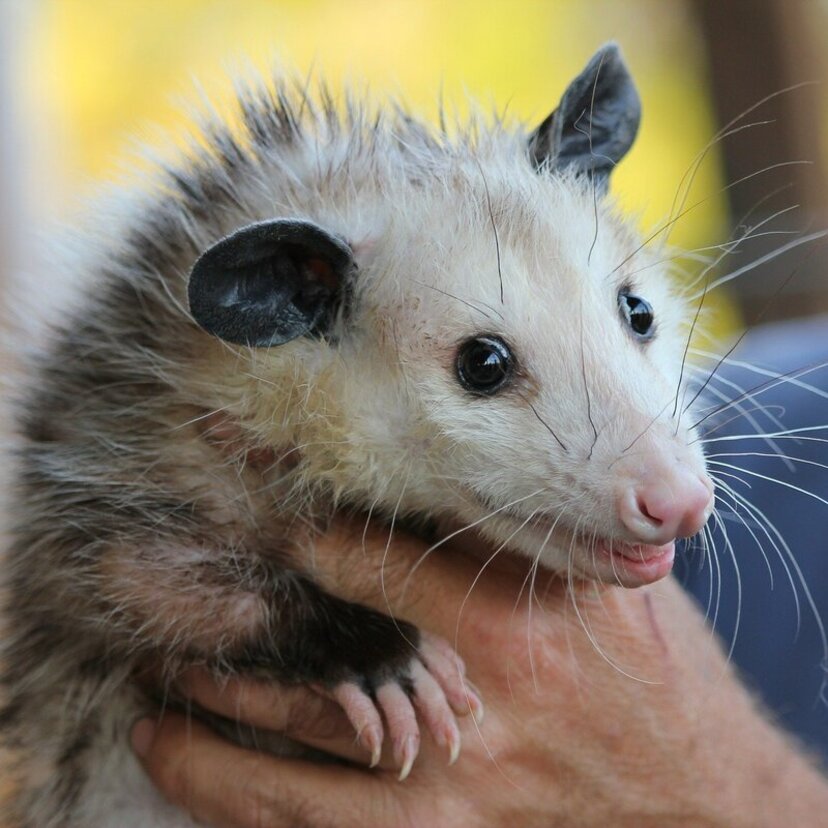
453, 741
371, 739
408, 753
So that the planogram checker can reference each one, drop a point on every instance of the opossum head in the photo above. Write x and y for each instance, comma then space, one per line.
491, 344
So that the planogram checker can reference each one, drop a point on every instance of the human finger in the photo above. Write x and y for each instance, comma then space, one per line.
329, 720
298, 711
227, 786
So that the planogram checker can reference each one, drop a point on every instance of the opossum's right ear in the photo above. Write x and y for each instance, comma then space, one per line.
271, 282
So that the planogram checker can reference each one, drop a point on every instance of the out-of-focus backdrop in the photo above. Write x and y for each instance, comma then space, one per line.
81, 79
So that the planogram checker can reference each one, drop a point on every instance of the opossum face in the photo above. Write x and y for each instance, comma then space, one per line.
551, 415
498, 349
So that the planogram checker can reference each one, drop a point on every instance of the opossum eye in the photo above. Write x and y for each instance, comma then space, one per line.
484, 364
638, 314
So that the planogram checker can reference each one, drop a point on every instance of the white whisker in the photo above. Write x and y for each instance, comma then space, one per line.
792, 380
773, 254
466, 528
800, 577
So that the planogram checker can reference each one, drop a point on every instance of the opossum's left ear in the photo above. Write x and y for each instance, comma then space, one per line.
271, 282
595, 123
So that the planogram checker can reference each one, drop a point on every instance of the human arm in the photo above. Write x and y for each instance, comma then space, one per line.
626, 713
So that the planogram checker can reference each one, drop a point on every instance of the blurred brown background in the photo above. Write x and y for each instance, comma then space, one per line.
755, 48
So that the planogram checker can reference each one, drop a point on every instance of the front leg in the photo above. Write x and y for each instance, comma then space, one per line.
373, 666
243, 615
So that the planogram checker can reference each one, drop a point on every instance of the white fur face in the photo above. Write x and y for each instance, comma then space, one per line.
545, 465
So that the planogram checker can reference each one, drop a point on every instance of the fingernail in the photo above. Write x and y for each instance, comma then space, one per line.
476, 706
142, 737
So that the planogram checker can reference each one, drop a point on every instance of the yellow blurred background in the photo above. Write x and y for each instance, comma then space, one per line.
101, 71
94, 74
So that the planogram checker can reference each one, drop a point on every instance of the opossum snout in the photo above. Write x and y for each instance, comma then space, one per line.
674, 503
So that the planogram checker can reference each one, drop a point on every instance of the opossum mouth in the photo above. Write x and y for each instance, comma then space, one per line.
609, 561
618, 562
635, 564
596, 558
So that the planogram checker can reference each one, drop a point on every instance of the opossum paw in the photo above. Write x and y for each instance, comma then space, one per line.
430, 688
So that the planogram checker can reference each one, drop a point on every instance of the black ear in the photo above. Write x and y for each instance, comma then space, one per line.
595, 123
271, 282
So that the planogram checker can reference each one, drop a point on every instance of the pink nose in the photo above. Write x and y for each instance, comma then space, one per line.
661, 510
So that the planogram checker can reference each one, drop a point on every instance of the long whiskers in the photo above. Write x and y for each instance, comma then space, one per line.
737, 571
494, 226
728, 129
531, 575
773, 382
703, 276
484, 309
583, 619
800, 577
786, 434
548, 428
747, 414
770, 256
584, 378
791, 379
383, 586
466, 528
656, 233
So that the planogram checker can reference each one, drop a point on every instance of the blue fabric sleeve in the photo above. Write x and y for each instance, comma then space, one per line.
779, 645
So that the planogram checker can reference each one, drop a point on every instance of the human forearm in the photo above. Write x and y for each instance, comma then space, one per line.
607, 707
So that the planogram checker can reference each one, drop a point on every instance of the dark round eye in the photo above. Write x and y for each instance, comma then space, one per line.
638, 314
484, 364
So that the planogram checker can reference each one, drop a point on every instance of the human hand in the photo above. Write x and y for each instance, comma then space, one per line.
603, 707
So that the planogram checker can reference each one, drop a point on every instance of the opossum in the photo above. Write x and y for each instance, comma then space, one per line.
332, 308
